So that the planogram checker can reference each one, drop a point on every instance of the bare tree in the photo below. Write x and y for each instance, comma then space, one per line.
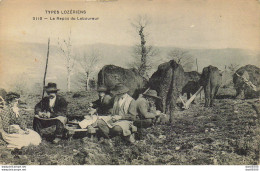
142, 53
66, 49
89, 64
233, 67
183, 58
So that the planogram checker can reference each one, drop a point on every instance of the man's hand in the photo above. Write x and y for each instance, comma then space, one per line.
90, 104
92, 111
44, 115
40, 114
48, 115
116, 118
158, 113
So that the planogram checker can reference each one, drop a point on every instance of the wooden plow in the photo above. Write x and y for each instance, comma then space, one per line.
247, 82
187, 104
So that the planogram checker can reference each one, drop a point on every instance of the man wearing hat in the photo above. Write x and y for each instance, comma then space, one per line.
122, 117
146, 109
51, 110
104, 104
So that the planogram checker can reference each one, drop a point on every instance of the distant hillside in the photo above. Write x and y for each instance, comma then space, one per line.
221, 57
26, 61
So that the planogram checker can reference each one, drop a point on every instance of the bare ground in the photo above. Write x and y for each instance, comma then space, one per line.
226, 134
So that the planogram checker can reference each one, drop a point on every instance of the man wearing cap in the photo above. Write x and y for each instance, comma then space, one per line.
146, 109
104, 104
51, 110
123, 114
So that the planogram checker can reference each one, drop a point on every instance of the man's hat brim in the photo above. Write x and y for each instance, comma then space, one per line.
121, 91
148, 95
51, 89
101, 90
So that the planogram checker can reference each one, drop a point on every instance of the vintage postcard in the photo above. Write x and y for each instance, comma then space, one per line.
117, 82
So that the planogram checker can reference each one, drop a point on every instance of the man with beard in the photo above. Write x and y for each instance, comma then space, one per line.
51, 110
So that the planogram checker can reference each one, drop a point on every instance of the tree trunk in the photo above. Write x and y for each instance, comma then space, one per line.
87, 82
142, 69
68, 82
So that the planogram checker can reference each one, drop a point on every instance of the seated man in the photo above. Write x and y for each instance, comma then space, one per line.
123, 113
104, 104
103, 107
51, 110
146, 109
13, 127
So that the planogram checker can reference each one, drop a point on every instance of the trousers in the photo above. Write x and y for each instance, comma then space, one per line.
109, 132
39, 124
143, 123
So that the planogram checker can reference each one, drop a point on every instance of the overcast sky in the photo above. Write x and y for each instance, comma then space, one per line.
183, 23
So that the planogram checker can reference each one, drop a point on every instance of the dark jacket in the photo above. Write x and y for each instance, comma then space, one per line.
103, 106
59, 109
144, 110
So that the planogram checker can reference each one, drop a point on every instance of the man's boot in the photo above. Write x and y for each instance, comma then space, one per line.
131, 138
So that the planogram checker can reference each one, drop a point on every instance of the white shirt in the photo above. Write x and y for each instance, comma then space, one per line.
16, 110
52, 102
122, 100
101, 99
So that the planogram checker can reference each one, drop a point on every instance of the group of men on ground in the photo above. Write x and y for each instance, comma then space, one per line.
118, 113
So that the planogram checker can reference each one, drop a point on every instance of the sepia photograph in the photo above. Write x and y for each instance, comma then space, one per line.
117, 82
